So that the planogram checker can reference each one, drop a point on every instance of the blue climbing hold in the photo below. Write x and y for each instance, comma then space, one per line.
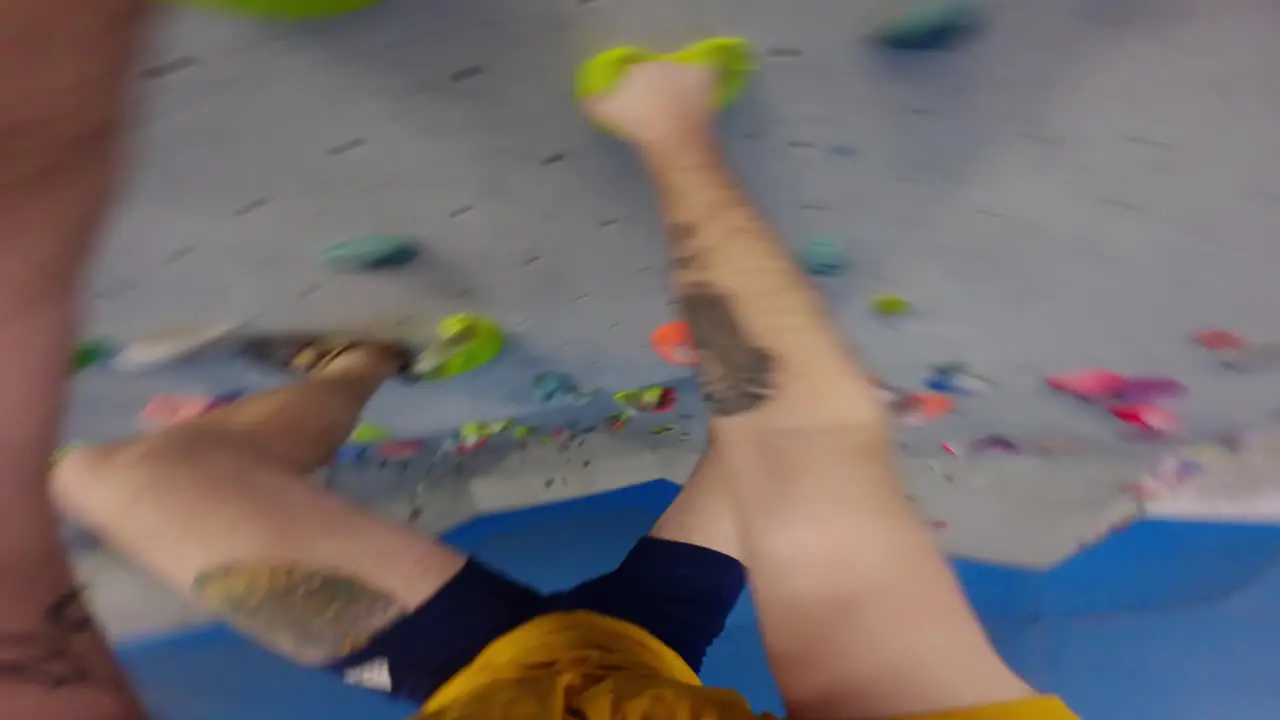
822, 256
371, 252
352, 453
550, 386
925, 24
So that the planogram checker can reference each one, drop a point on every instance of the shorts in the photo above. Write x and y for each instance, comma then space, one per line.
680, 593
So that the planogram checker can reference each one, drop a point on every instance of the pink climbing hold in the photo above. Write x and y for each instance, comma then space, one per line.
1148, 417
1143, 390
1090, 384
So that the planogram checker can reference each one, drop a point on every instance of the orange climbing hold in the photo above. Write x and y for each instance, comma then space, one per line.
921, 408
673, 343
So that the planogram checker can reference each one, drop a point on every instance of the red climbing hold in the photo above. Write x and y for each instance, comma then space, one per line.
1148, 417
1091, 384
1217, 339
399, 450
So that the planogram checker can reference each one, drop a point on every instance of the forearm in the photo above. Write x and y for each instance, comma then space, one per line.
64, 66
768, 349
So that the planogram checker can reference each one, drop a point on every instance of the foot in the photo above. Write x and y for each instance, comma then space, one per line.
318, 354
659, 106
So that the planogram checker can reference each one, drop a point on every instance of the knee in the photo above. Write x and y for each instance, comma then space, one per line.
84, 475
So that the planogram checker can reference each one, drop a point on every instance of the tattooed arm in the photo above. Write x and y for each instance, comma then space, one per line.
63, 65
860, 613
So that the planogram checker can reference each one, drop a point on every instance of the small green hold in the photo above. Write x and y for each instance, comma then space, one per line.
368, 434
90, 353
522, 432
891, 305
371, 252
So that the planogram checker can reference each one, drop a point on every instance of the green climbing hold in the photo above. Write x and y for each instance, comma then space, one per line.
368, 434
891, 305
371, 252
90, 353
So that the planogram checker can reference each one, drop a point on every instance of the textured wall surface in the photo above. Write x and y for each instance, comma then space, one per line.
1081, 185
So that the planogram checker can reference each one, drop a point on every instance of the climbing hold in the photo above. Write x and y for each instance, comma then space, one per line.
399, 450
285, 9
655, 399
351, 453
1095, 384
369, 434
994, 445
1218, 339
1148, 417
890, 305
162, 348
164, 411
475, 435
466, 342
663, 430
551, 386
1142, 390
730, 57
924, 24
920, 408
89, 353
955, 379
822, 256
673, 343
371, 252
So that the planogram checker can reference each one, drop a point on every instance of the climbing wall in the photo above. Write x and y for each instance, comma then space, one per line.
1081, 184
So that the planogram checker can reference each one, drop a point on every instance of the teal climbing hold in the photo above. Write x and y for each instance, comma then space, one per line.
90, 353
371, 252
822, 256
924, 24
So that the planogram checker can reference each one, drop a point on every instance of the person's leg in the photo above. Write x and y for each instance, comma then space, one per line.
222, 508
860, 613
681, 581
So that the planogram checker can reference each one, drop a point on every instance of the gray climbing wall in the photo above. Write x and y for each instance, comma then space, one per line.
1083, 184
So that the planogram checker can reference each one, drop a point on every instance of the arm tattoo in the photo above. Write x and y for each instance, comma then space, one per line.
736, 375
51, 656
312, 616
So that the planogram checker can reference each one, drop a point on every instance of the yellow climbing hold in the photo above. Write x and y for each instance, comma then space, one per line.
891, 305
731, 57
368, 434
467, 341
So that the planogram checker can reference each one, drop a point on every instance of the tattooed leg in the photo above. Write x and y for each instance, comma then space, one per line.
221, 508
860, 613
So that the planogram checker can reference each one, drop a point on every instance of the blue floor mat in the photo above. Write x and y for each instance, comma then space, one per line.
1163, 620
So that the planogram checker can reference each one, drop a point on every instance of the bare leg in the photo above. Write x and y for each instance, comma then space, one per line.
861, 614
222, 508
